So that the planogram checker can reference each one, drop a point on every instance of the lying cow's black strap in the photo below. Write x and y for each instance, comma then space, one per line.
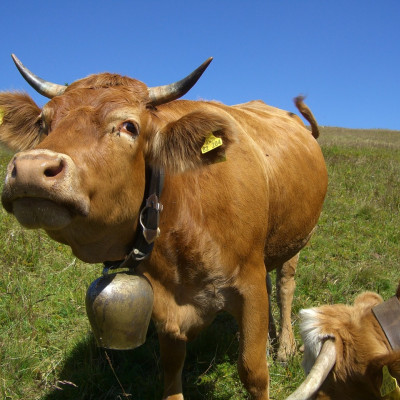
147, 228
388, 316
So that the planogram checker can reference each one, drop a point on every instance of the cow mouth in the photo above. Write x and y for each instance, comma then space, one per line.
34, 213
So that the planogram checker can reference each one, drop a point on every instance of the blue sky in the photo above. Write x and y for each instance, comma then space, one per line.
344, 55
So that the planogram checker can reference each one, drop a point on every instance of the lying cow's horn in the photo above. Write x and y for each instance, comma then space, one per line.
45, 88
323, 364
164, 94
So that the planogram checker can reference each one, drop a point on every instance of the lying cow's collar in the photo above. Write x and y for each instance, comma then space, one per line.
147, 230
388, 316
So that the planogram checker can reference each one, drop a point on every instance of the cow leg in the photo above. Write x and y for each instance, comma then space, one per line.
173, 352
285, 286
250, 304
273, 338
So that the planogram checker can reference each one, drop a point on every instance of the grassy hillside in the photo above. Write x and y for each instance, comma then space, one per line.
46, 348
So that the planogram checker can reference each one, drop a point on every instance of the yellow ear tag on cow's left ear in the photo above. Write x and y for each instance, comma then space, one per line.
1, 116
211, 143
389, 385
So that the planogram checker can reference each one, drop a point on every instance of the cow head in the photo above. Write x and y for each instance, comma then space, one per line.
80, 172
345, 351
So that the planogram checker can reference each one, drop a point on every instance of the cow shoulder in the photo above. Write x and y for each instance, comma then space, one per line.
179, 145
19, 121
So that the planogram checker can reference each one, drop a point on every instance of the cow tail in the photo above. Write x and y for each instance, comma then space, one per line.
307, 114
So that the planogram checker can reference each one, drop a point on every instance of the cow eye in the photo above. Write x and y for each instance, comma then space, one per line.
130, 128
42, 127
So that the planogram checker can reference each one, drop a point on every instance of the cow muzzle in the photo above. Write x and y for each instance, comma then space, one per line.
42, 189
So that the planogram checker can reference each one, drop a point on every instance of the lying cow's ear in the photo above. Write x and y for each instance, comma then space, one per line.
375, 370
19, 129
196, 139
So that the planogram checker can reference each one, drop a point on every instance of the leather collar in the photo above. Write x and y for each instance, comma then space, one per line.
147, 229
388, 316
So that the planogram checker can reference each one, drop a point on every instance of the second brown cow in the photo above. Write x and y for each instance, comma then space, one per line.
348, 353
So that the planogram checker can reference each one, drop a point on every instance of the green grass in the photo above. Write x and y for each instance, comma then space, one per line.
47, 350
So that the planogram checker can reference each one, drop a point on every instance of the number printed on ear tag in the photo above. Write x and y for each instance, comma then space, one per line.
211, 143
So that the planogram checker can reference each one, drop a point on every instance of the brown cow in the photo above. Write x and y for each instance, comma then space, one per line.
81, 178
345, 350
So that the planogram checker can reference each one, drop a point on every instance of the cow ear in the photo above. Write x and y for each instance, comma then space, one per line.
194, 140
19, 128
374, 371
394, 366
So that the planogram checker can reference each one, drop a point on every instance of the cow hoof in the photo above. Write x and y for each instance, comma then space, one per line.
285, 353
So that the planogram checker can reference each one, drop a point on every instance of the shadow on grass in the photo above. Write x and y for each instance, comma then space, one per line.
94, 373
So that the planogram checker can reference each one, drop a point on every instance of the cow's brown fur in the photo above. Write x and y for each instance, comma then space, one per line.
361, 347
224, 224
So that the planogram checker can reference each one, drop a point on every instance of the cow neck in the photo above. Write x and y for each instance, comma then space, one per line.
388, 316
147, 229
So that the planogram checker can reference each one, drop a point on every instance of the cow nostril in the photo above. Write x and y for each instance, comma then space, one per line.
54, 171
14, 172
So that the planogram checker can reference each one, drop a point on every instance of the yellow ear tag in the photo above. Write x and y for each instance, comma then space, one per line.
1, 116
211, 143
389, 385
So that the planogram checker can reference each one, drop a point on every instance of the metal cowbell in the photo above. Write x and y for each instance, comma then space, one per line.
119, 308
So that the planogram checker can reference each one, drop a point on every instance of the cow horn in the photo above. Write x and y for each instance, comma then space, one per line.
163, 94
45, 88
323, 364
